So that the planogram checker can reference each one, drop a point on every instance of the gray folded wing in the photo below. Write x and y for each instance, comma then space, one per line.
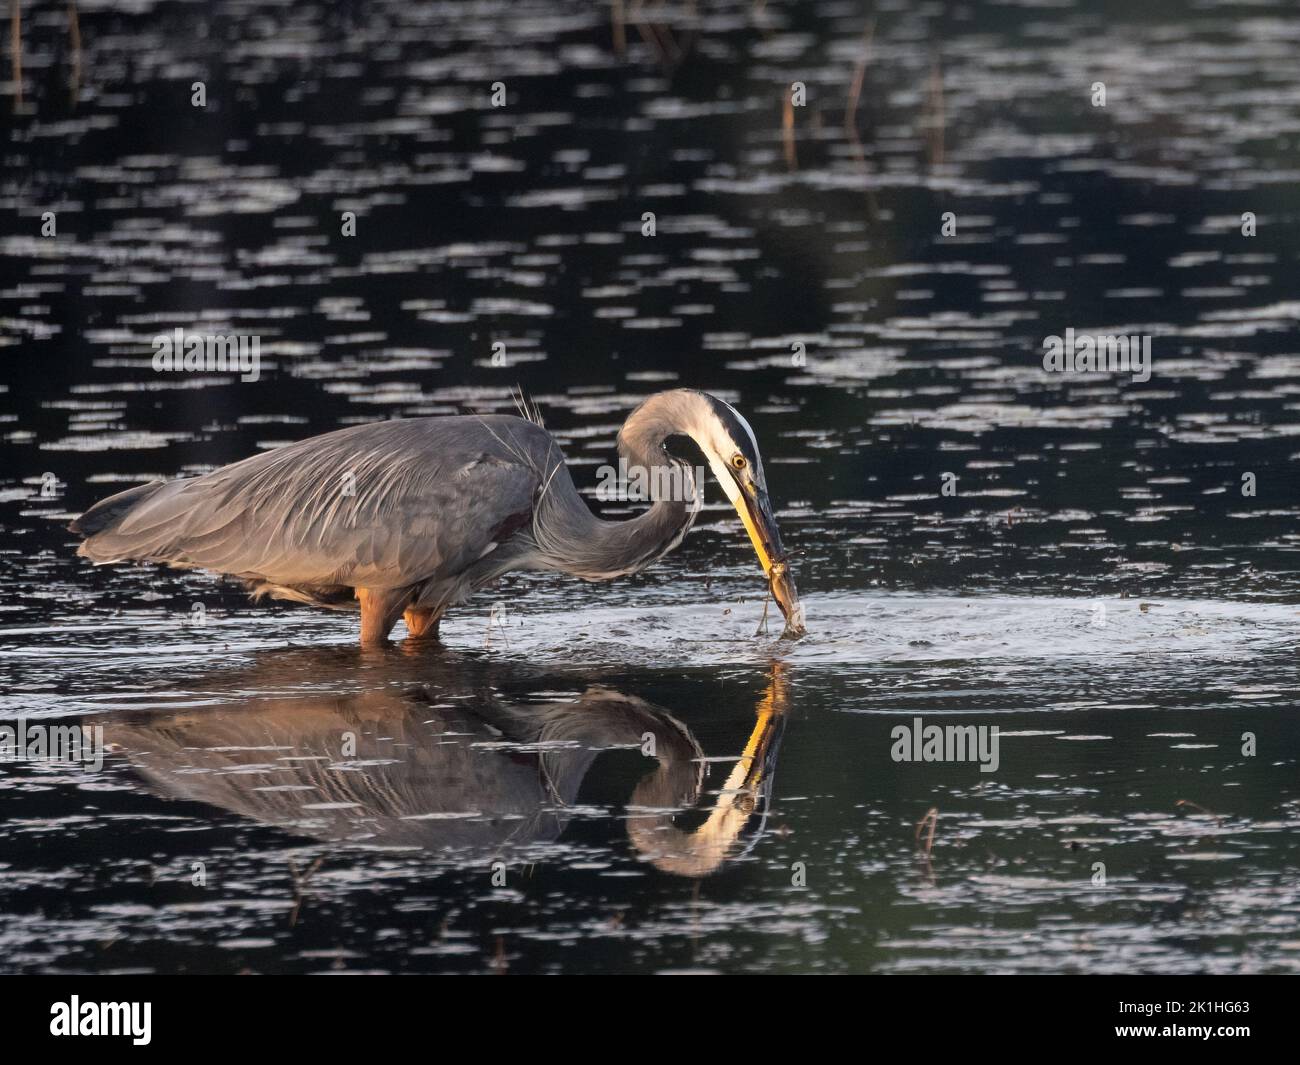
383, 505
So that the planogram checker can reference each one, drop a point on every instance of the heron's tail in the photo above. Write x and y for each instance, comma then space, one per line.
105, 515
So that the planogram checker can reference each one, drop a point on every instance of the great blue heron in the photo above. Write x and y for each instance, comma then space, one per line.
409, 517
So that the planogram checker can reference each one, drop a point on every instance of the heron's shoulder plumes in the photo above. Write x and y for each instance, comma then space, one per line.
528, 410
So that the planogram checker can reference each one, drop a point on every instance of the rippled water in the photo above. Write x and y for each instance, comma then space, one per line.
1099, 586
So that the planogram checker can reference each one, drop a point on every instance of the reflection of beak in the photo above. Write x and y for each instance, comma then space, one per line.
742, 799
755, 510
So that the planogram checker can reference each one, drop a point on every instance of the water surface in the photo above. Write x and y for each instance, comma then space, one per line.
1100, 586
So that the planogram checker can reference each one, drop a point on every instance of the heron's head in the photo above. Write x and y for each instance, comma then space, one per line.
728, 443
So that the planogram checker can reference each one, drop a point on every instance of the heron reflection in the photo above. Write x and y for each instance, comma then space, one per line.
450, 765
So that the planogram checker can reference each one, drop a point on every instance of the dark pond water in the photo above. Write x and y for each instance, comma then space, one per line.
625, 777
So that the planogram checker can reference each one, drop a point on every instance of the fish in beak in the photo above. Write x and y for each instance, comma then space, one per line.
755, 510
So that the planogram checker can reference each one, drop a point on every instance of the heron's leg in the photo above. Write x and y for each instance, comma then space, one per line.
380, 609
422, 623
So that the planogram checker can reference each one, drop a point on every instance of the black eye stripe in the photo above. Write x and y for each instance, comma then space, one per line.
735, 429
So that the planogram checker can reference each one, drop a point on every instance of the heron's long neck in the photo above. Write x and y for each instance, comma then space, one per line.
577, 542
633, 544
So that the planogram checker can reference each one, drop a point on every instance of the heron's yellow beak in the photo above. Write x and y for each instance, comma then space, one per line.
755, 510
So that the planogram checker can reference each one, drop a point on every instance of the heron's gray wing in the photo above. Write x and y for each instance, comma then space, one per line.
384, 505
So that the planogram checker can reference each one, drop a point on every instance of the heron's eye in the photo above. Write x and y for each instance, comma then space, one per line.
737, 462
